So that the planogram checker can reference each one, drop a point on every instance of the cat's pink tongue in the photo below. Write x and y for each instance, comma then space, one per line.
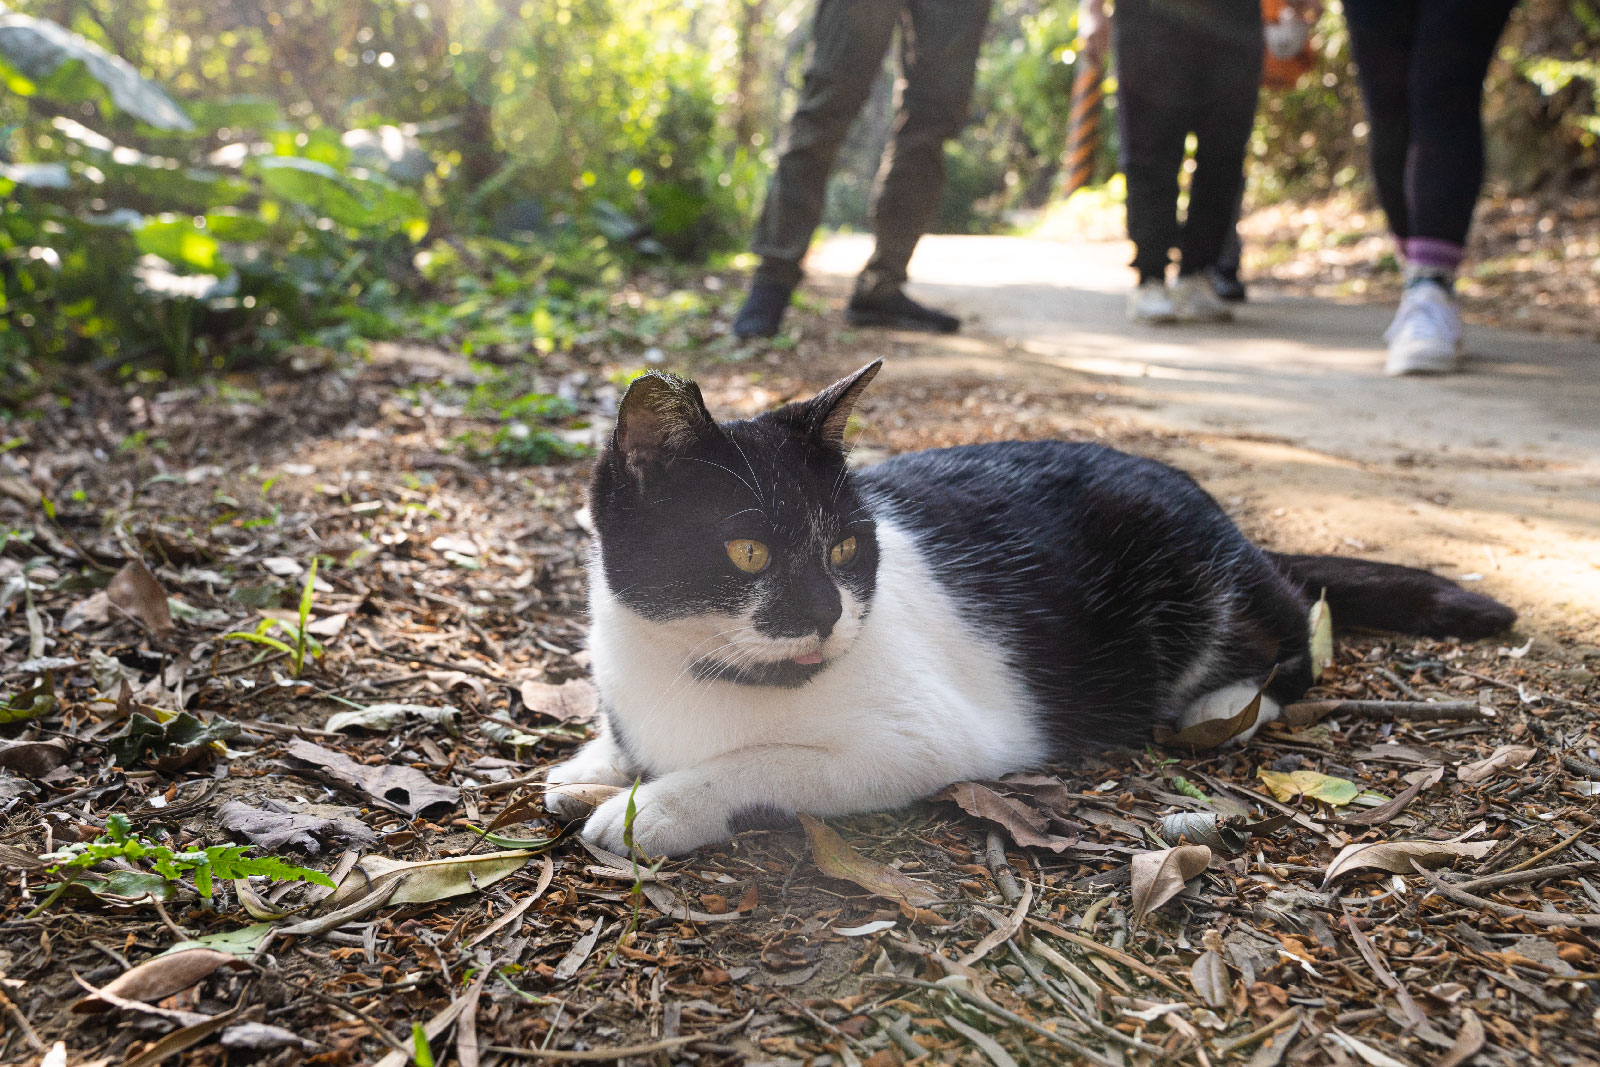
809, 659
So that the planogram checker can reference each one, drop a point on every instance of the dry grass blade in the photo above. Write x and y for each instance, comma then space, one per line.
1413, 1013
189, 1036
986, 1044
1469, 1041
621, 1052
517, 910
1133, 963
1005, 931
438, 1024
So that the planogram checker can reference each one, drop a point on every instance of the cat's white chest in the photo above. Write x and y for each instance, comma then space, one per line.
919, 699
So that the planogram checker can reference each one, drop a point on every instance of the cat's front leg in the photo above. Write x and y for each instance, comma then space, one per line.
599, 762
681, 811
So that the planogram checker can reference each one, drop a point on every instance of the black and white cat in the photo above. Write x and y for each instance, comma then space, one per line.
774, 633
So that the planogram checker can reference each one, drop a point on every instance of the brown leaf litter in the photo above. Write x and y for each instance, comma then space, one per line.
1423, 890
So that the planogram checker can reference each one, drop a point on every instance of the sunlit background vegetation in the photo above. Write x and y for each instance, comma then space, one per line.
190, 186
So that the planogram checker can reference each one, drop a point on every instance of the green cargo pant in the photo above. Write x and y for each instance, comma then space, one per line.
939, 54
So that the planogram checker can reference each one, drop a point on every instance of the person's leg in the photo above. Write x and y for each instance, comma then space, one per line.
1382, 36
1444, 164
851, 38
1224, 116
939, 56
1153, 84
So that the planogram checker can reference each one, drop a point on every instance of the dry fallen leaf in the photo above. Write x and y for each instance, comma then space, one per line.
573, 701
32, 759
1506, 757
1396, 856
399, 788
1381, 814
1028, 828
837, 859
1160, 876
381, 718
275, 830
1286, 786
1210, 978
1321, 623
1213, 733
136, 591
426, 881
159, 978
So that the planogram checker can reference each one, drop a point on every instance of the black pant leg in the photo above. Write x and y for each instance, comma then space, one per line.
1444, 165
1382, 36
1223, 121
1153, 92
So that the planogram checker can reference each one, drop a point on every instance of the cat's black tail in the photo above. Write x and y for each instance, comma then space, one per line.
1383, 596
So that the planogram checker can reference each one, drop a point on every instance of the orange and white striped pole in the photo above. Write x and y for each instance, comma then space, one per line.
1083, 129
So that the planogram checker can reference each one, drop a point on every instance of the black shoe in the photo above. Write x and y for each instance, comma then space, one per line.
763, 310
1226, 284
895, 310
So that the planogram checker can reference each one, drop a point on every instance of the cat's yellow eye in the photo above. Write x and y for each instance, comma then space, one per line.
749, 556
843, 552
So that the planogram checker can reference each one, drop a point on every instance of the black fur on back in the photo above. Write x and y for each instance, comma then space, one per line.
1106, 576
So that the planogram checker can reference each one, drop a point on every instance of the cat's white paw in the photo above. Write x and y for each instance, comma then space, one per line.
574, 788
668, 821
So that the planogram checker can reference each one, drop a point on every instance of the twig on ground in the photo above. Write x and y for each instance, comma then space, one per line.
1522, 877
1554, 849
1505, 911
1385, 710
994, 854
1272, 1026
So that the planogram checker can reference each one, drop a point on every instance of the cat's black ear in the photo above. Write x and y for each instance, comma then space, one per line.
660, 415
829, 411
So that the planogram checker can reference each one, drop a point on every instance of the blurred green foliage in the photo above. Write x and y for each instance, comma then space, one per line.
186, 187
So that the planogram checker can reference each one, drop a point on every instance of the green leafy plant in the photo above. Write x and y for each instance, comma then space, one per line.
201, 866
636, 894
301, 642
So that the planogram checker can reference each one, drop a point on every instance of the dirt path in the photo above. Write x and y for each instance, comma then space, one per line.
1491, 476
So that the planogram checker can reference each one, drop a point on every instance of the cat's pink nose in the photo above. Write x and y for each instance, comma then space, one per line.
809, 659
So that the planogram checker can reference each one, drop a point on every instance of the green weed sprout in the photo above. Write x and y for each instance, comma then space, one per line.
303, 642
203, 866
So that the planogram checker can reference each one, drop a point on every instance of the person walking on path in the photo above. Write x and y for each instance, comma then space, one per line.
939, 42
1183, 66
1421, 65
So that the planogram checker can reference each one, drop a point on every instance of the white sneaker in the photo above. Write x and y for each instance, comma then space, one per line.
1151, 303
1425, 337
1194, 300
